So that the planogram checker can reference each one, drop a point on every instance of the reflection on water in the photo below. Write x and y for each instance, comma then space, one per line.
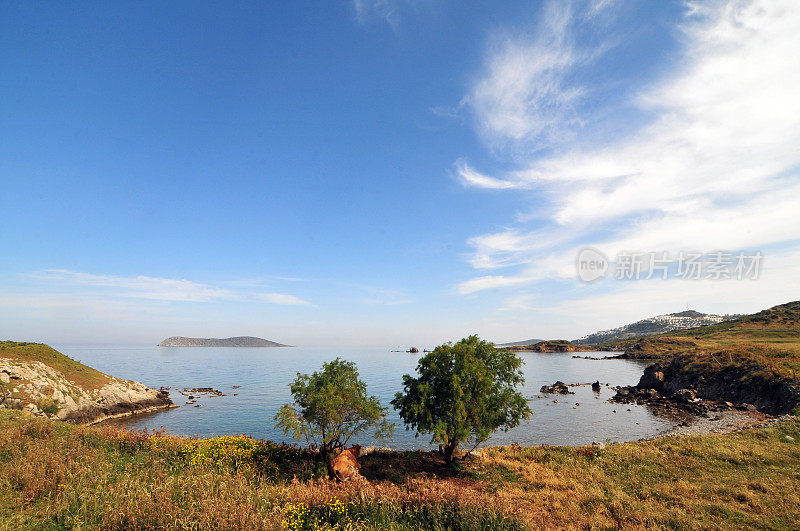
263, 376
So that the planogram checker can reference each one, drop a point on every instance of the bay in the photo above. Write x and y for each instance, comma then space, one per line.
264, 374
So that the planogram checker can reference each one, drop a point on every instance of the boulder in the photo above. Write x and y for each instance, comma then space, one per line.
596, 386
558, 387
685, 395
650, 393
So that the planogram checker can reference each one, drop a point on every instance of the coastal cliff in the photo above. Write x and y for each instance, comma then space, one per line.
240, 341
39, 379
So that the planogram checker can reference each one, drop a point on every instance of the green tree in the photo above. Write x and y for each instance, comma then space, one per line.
463, 393
330, 407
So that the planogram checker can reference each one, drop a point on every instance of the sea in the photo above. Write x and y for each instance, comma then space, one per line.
255, 383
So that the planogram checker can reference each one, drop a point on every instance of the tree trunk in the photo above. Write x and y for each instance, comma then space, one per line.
449, 450
327, 456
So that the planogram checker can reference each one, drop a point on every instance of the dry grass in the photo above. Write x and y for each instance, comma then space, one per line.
60, 476
57, 475
743, 480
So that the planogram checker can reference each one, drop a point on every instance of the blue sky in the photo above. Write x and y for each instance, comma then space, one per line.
389, 172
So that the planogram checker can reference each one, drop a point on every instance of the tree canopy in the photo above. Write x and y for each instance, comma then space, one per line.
463, 393
330, 407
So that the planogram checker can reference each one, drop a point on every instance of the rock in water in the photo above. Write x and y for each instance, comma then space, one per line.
558, 387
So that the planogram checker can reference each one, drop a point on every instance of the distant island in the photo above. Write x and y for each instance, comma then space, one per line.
241, 341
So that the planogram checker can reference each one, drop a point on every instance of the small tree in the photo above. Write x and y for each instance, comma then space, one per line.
464, 392
330, 407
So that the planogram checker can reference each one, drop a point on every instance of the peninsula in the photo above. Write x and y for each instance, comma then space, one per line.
240, 341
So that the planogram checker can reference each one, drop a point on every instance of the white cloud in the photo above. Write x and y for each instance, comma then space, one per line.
717, 167
525, 96
492, 281
510, 247
470, 177
282, 298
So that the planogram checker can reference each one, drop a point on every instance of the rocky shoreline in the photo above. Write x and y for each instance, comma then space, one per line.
684, 383
41, 390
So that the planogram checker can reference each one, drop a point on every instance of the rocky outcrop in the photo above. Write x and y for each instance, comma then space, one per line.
241, 341
687, 383
42, 390
558, 387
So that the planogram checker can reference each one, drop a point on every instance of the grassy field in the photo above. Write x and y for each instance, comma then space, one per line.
60, 476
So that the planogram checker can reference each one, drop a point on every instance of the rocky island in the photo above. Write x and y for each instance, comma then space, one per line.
239, 341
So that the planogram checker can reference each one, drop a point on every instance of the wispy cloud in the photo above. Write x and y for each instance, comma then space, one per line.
383, 296
158, 289
470, 177
525, 97
716, 167
143, 287
387, 11
493, 281
282, 298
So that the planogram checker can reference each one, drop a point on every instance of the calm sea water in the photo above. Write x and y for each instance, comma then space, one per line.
263, 376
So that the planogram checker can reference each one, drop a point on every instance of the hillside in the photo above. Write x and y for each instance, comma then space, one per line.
773, 334
239, 341
753, 359
45, 382
655, 325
